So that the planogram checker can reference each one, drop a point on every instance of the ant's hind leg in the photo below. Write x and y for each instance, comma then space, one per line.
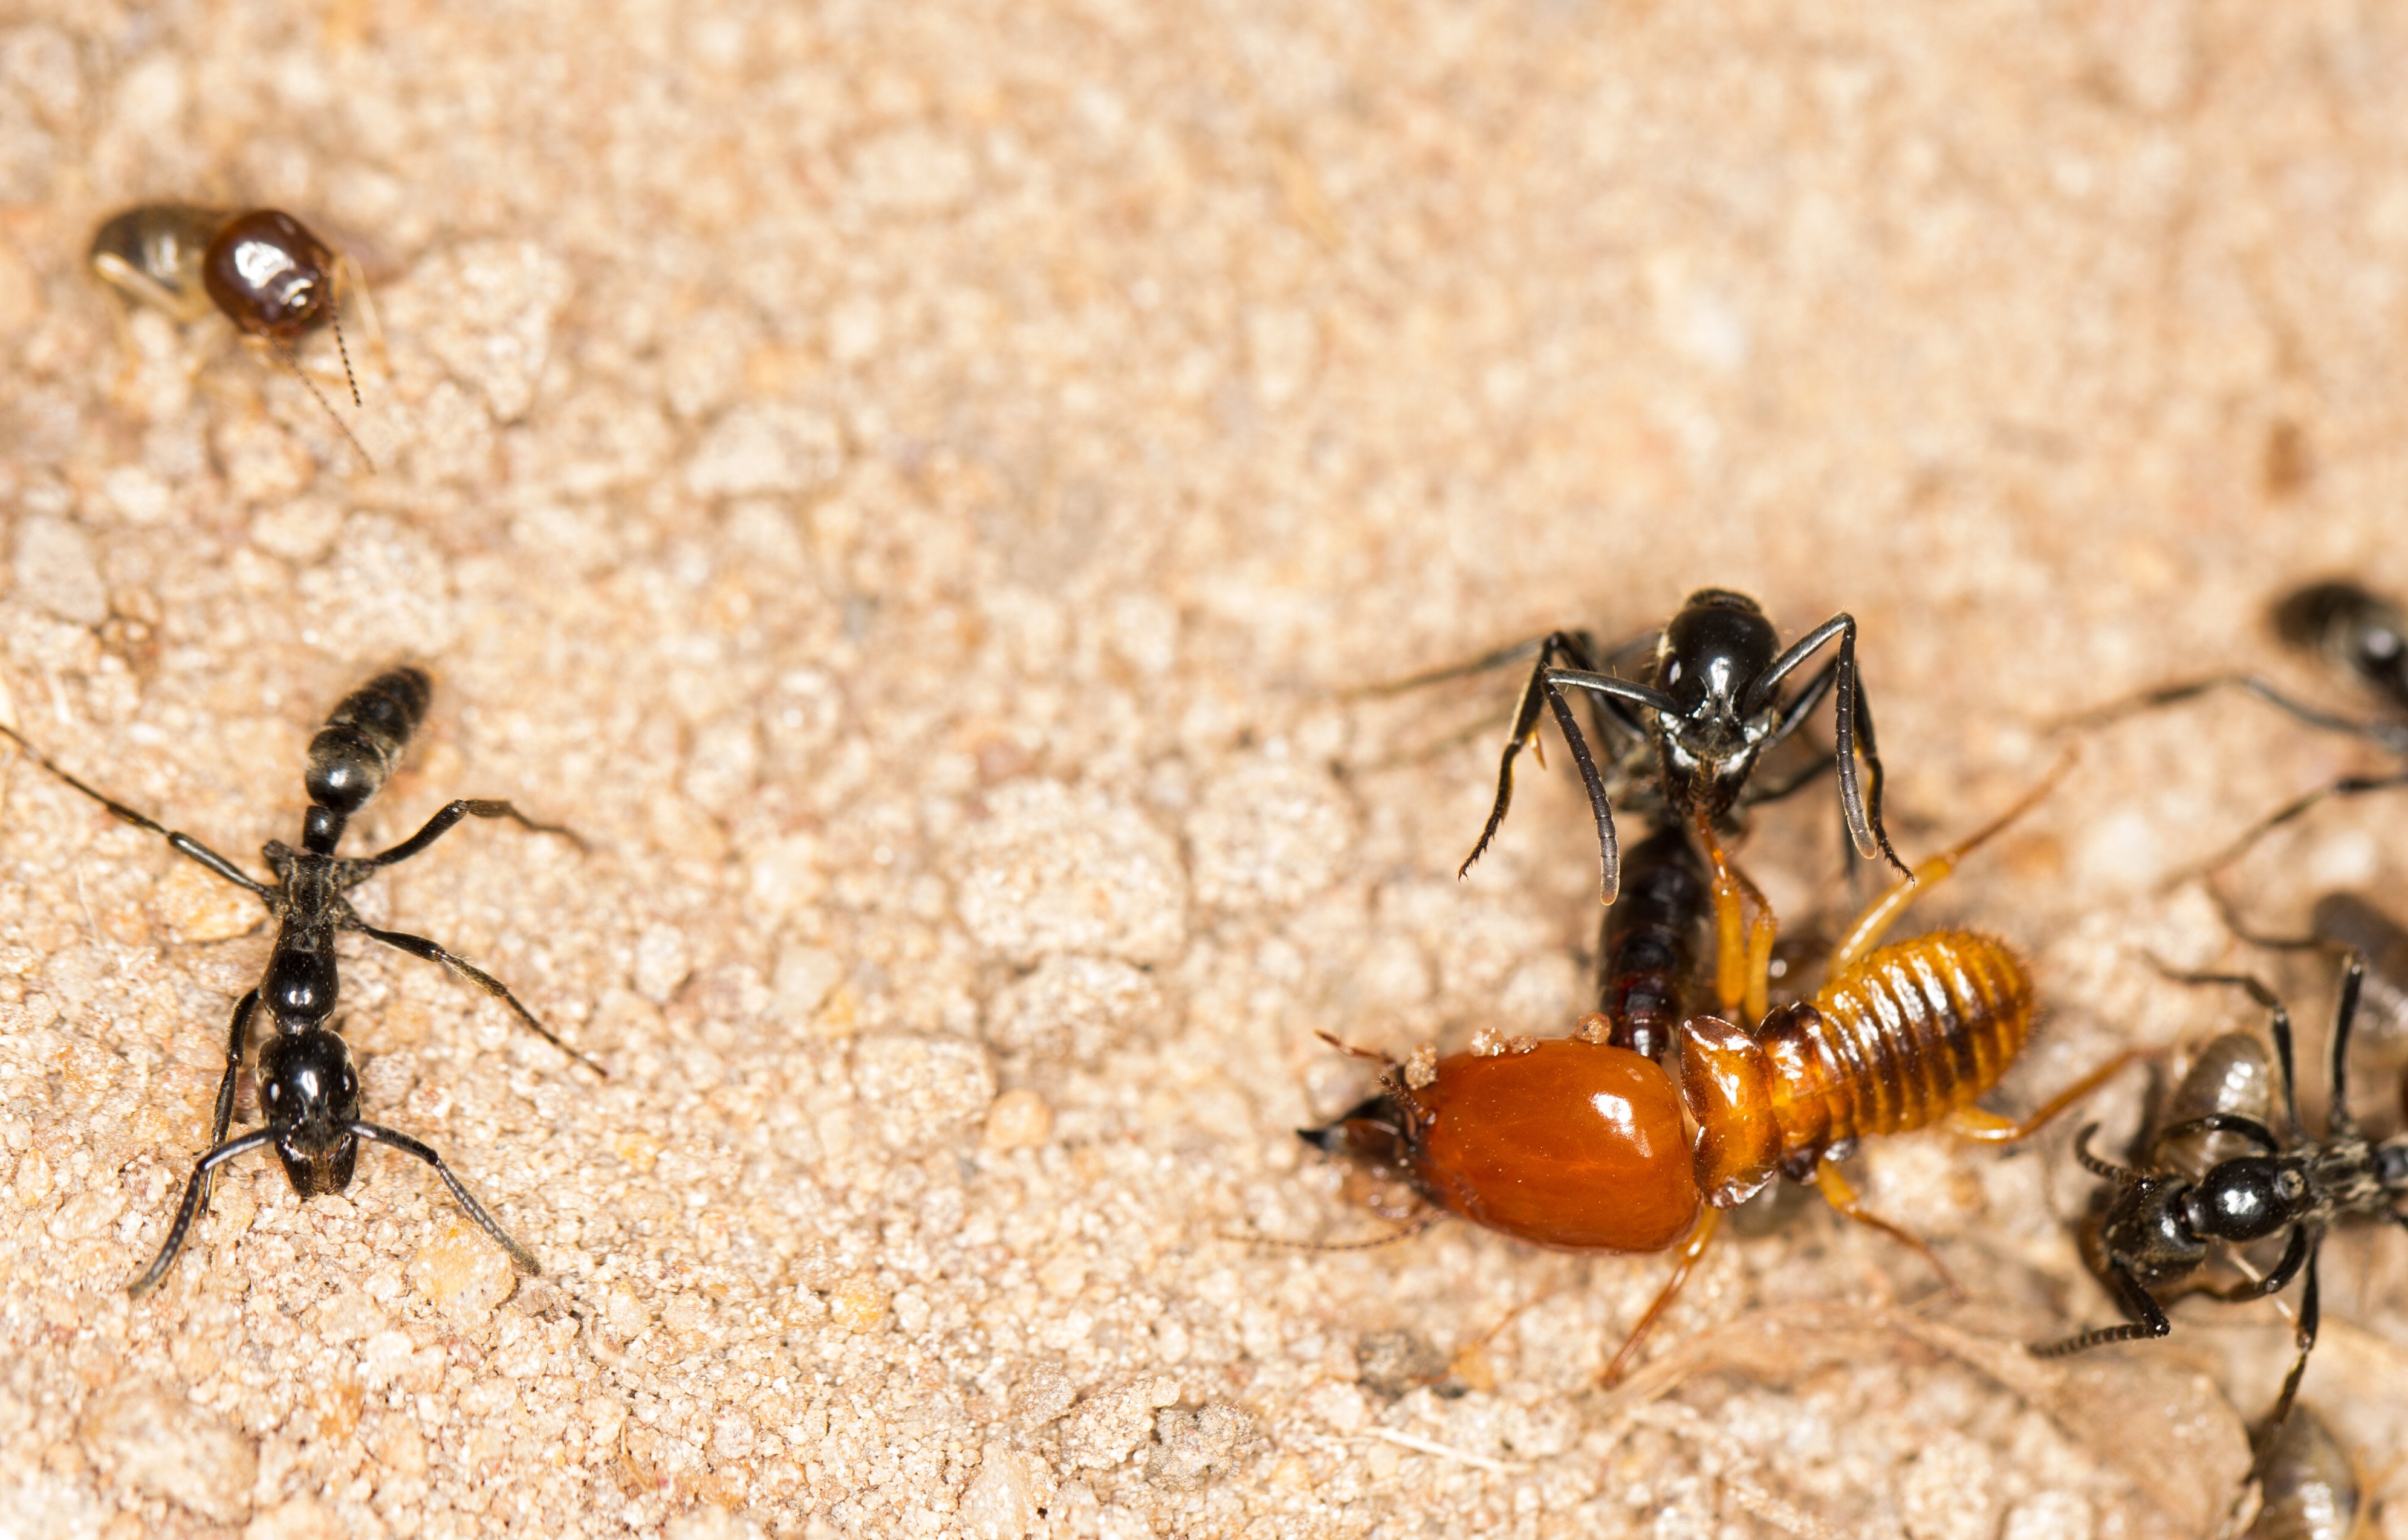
184, 844
450, 814
418, 946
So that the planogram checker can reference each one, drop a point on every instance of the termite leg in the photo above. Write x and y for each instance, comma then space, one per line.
1742, 941
1883, 912
1989, 1128
1696, 1248
1839, 1195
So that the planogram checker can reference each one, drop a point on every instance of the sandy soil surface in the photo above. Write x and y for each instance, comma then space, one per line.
914, 487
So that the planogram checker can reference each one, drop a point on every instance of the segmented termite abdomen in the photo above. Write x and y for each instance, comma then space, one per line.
362, 742
1898, 1040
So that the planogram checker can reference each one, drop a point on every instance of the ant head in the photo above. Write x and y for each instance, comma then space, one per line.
1712, 651
2147, 1227
269, 275
2247, 1198
311, 1096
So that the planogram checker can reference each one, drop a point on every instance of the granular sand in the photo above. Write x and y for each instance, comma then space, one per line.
919, 490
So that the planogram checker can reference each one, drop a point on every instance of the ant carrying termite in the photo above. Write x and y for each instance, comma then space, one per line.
308, 1093
2163, 1217
1686, 742
264, 270
1581, 1145
1692, 733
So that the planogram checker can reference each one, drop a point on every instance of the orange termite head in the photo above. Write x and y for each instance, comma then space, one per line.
1727, 1082
1569, 1144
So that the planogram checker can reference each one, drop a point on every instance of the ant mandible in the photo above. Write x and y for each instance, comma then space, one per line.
308, 1093
1581, 1145
2163, 1219
264, 270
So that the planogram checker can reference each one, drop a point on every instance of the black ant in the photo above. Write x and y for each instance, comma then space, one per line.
2359, 635
264, 270
2162, 1218
1687, 740
308, 1092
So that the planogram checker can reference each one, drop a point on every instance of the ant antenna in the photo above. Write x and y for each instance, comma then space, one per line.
2096, 1166
345, 353
293, 364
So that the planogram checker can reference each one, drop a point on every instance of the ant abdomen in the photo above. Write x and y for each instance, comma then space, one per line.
1648, 947
362, 739
1895, 1042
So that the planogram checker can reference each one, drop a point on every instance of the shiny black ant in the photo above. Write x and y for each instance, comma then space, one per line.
1690, 734
308, 1093
2163, 1217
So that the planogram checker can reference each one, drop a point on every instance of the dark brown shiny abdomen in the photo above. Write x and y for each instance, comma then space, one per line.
1913, 1031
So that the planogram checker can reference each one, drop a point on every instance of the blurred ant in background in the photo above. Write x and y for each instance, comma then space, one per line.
264, 270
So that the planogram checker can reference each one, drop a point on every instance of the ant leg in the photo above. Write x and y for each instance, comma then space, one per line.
1779, 790
521, 1258
2348, 786
2338, 1120
2148, 1319
196, 1193
452, 813
1852, 732
184, 844
1487, 662
1839, 1195
1700, 1238
1566, 643
1986, 1126
2391, 736
243, 1009
2300, 1253
418, 946
2305, 1336
1883, 912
